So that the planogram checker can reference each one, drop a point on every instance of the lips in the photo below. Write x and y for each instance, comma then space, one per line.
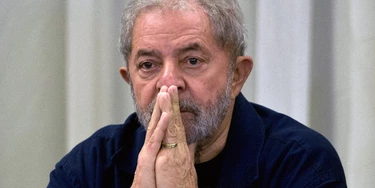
187, 111
187, 115
189, 106
184, 112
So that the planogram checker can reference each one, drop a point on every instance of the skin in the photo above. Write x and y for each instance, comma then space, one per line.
171, 60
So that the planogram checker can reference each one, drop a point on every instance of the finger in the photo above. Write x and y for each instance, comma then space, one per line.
163, 89
155, 115
177, 128
158, 133
154, 119
165, 105
149, 152
173, 91
154, 136
151, 148
156, 139
148, 155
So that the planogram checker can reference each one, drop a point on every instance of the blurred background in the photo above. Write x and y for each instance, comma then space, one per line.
59, 81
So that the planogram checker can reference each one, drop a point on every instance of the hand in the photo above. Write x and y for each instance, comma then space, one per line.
166, 167
174, 166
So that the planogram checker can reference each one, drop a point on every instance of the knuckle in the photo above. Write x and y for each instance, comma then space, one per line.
152, 146
172, 130
163, 163
142, 160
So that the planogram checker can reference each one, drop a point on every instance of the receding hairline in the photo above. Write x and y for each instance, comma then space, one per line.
225, 22
193, 6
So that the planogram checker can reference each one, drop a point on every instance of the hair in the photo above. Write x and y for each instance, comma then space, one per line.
226, 21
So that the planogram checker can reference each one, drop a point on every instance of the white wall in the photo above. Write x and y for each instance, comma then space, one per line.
32, 91
96, 93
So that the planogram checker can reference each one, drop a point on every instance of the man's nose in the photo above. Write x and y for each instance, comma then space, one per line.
171, 74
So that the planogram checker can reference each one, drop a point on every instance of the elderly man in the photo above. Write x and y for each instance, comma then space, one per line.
186, 67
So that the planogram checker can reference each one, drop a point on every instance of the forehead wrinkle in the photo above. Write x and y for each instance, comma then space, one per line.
195, 46
146, 52
189, 47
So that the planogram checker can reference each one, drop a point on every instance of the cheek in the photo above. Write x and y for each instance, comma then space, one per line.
144, 93
206, 90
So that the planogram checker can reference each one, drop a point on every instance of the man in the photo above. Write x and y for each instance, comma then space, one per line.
193, 127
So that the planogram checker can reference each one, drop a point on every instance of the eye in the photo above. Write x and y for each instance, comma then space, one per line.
193, 61
146, 65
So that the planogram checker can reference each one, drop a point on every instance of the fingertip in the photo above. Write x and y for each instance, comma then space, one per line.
163, 89
164, 102
163, 122
173, 89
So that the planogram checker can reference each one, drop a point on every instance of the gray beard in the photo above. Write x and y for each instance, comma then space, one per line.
206, 120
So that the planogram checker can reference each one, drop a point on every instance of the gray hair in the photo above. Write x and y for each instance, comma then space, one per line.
225, 16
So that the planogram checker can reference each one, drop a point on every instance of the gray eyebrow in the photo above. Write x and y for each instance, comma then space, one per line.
189, 47
145, 52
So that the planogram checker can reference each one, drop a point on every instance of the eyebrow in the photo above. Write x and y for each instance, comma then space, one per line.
190, 47
145, 52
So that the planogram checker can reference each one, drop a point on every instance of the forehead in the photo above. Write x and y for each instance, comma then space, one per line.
172, 24
171, 6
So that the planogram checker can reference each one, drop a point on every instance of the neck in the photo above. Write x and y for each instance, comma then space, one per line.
212, 146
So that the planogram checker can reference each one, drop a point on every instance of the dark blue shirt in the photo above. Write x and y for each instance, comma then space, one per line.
263, 149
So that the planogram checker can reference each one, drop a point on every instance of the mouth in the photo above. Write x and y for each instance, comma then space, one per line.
187, 116
185, 110
188, 110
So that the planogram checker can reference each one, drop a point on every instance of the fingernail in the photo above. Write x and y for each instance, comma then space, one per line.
163, 88
174, 89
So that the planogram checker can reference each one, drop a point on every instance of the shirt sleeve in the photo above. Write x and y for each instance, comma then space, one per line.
87, 165
332, 184
302, 162
59, 178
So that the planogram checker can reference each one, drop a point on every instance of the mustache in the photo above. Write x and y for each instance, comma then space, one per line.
186, 105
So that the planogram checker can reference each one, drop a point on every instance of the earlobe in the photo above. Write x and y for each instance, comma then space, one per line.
244, 65
125, 74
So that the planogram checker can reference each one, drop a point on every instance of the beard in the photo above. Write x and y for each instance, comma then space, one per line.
206, 119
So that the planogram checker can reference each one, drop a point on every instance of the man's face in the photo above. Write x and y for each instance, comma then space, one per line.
178, 48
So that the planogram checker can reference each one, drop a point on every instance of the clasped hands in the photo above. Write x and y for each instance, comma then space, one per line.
171, 166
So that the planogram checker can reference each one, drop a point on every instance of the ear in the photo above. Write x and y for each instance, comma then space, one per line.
125, 74
243, 67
